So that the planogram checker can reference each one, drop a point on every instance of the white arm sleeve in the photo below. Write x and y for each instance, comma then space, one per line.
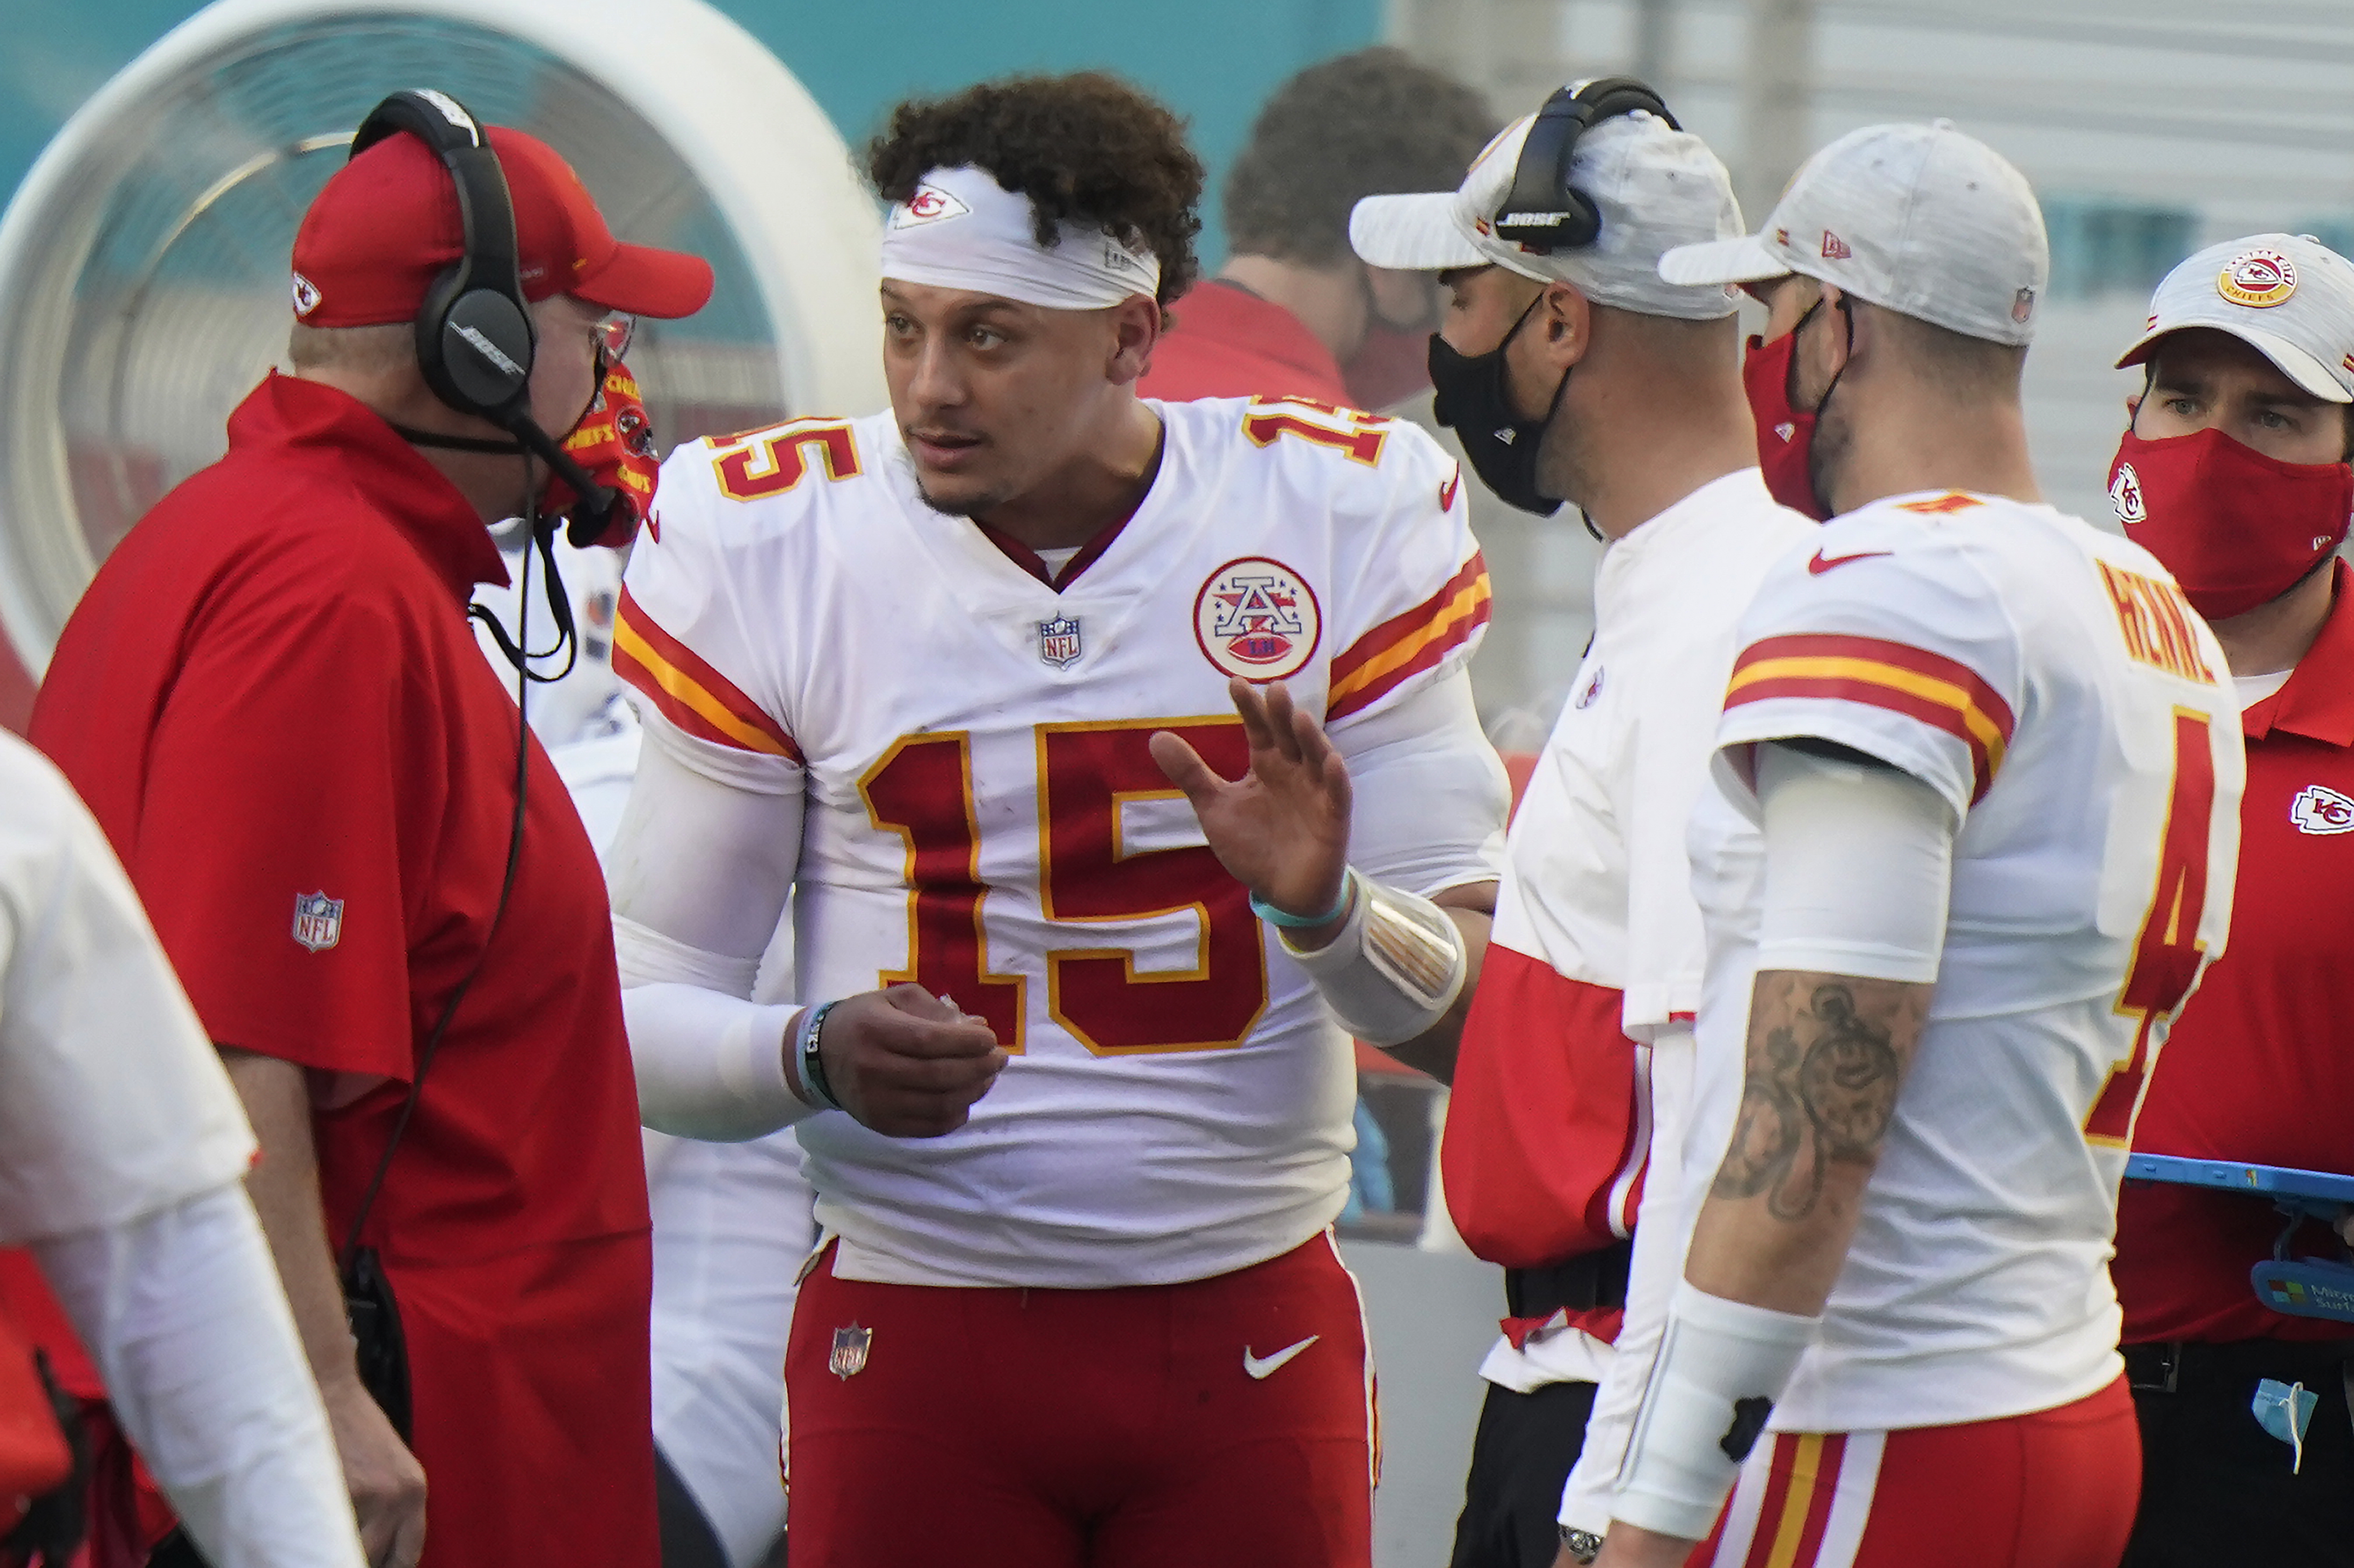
1430, 793
702, 866
1823, 820
183, 1310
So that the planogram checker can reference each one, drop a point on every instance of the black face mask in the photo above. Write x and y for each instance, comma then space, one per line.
1473, 402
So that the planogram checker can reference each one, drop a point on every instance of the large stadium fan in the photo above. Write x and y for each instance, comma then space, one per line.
143, 263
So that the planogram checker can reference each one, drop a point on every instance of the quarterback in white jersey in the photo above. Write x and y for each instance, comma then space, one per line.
1971, 844
981, 814
923, 671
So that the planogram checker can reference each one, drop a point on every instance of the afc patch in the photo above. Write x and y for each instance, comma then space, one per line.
318, 921
1258, 618
1058, 641
850, 1347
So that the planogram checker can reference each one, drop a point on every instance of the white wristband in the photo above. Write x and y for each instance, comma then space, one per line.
1394, 970
1720, 1366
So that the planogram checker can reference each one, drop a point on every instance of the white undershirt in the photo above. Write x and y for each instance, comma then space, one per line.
2255, 689
1057, 559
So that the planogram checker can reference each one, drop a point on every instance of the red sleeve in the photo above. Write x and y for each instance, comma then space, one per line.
285, 764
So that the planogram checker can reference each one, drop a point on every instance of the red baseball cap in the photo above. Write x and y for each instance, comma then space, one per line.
387, 225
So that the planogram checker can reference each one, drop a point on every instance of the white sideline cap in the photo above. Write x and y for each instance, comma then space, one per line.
1656, 187
2287, 296
1919, 219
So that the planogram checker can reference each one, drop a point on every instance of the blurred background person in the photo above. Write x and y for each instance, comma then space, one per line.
2233, 473
1294, 313
123, 1151
362, 870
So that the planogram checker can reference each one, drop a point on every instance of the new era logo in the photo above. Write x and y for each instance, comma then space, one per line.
1834, 248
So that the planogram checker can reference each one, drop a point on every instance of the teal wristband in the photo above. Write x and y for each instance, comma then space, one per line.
1290, 922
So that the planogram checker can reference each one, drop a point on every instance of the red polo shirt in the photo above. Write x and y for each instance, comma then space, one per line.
2260, 1068
273, 701
1229, 342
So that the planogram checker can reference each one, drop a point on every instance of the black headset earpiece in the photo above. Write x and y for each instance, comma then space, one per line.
474, 336
1543, 213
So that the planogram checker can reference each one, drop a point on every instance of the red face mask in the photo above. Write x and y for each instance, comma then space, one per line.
2235, 528
615, 442
1786, 435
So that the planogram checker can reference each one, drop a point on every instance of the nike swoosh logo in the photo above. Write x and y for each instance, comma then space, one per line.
1259, 1367
1819, 563
1447, 491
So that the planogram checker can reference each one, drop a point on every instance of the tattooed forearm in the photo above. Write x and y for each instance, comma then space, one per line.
1820, 1087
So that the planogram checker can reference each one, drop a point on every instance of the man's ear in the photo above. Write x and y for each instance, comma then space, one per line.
2133, 406
1135, 328
1568, 320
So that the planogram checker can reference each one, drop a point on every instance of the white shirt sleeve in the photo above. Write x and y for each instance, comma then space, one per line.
183, 1310
113, 1102
1430, 793
702, 867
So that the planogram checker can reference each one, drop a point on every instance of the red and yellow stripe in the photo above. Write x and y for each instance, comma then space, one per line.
1798, 1502
1935, 690
1404, 645
688, 691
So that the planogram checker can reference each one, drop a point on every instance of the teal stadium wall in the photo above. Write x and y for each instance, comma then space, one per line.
1213, 60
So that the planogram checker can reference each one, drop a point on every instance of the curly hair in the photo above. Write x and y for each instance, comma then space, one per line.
1088, 148
1367, 124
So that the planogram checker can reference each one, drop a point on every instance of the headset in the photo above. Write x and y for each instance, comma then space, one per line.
1545, 213
475, 340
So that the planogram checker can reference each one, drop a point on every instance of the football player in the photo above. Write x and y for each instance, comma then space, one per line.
1078, 1121
1970, 845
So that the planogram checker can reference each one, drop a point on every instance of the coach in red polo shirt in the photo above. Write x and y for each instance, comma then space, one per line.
2234, 473
1294, 313
274, 704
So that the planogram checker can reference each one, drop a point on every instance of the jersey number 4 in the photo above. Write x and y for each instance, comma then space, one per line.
2167, 955
922, 790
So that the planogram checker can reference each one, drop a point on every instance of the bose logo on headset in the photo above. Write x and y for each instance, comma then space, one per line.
490, 351
1543, 212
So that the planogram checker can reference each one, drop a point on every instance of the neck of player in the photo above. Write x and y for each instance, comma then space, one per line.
1645, 423
2276, 634
1903, 434
1101, 485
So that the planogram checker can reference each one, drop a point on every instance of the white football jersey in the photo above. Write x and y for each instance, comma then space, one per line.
2052, 683
983, 816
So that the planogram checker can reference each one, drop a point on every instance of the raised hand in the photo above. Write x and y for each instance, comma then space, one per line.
1282, 829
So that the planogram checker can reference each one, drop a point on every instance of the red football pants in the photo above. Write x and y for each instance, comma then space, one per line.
2054, 1490
1224, 1421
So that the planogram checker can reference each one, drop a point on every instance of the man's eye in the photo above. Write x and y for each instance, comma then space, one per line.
985, 337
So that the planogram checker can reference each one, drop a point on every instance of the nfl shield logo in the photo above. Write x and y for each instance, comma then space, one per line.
318, 921
1058, 641
850, 1351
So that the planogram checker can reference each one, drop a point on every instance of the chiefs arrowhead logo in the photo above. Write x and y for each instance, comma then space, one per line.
2322, 812
930, 204
2124, 496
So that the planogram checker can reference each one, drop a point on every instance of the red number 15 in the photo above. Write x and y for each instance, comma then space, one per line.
922, 788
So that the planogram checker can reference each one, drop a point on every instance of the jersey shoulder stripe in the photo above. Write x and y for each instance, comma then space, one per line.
1411, 641
687, 691
1929, 687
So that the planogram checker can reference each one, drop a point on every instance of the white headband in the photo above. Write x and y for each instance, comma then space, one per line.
961, 229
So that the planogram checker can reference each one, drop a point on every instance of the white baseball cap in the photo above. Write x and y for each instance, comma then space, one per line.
1919, 219
1655, 187
2287, 296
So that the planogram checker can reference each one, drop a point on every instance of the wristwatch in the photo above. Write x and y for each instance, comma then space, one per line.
1583, 1545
